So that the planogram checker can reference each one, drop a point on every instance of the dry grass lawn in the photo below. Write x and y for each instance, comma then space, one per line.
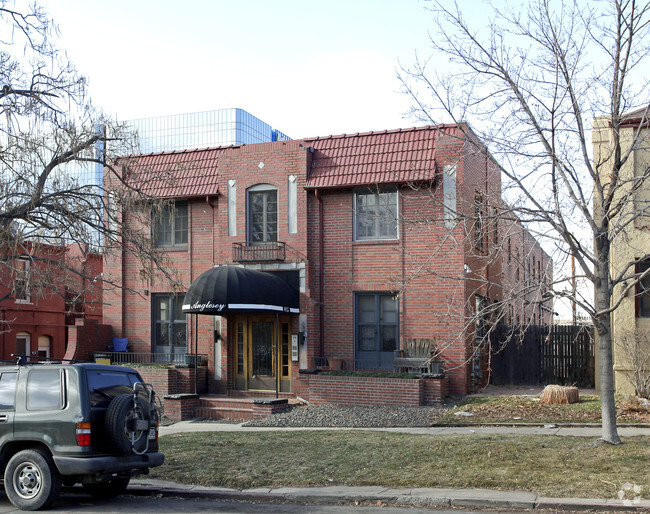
547, 465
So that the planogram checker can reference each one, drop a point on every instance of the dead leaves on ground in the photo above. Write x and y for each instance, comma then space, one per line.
523, 409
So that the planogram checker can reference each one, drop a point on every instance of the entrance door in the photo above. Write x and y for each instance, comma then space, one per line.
260, 363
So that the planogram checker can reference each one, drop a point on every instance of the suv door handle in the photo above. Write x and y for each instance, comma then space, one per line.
3, 418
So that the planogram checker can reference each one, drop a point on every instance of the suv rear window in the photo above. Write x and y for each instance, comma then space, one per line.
106, 385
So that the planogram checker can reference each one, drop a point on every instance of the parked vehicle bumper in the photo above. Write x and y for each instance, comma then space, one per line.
107, 463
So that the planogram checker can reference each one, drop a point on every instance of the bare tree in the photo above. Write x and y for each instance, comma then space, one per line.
531, 83
55, 149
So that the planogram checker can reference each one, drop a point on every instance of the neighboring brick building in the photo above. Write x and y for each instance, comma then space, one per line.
527, 275
387, 236
39, 301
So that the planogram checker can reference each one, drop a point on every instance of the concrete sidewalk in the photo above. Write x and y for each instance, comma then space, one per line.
559, 430
420, 497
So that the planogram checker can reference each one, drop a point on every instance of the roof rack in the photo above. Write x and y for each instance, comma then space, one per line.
22, 360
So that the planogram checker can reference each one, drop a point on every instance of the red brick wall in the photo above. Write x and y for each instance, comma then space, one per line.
434, 391
181, 407
42, 315
87, 336
351, 390
425, 266
174, 380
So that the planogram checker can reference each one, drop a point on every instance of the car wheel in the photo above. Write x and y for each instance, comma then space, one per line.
108, 489
31, 480
121, 423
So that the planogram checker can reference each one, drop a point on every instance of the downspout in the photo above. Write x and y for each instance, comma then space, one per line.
321, 274
278, 364
4, 334
122, 292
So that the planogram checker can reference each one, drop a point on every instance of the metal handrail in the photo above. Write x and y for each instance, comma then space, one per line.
150, 358
243, 252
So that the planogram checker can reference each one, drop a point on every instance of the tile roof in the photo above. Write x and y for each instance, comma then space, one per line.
636, 117
371, 158
189, 173
387, 157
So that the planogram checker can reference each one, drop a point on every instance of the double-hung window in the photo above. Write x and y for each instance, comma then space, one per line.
375, 215
21, 284
171, 226
262, 215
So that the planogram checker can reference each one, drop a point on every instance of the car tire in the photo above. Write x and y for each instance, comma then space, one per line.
108, 489
31, 480
120, 416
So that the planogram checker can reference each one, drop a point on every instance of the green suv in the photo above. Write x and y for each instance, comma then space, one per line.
66, 424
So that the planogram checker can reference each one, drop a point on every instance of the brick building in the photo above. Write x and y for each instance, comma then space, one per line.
39, 300
387, 237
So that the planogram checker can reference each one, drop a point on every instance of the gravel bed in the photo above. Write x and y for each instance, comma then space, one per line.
350, 417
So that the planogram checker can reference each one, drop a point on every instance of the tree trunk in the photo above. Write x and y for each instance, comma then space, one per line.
604, 328
607, 402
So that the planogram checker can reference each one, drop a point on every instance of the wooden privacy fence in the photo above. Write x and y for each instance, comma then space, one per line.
556, 354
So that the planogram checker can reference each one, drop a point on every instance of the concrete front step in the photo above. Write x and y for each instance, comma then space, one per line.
241, 408
233, 414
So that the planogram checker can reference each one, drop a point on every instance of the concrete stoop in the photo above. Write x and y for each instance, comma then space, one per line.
241, 408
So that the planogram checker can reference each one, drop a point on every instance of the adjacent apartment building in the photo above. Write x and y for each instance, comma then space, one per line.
40, 300
631, 319
386, 236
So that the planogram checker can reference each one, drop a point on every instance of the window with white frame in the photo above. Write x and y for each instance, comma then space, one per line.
171, 225
262, 214
375, 214
21, 284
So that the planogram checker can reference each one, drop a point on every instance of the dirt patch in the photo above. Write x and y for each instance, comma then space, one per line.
523, 405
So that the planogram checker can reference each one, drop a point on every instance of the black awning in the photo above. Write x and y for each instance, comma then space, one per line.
226, 289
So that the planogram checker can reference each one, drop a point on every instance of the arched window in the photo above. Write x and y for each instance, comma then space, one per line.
44, 346
262, 214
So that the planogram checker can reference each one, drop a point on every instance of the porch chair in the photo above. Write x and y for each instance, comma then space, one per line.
417, 356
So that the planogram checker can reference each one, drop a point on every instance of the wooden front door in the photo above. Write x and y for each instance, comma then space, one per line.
260, 363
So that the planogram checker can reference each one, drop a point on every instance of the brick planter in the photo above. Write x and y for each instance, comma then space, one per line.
353, 390
265, 407
180, 406
175, 386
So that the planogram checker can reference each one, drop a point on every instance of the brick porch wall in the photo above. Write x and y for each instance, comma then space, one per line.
350, 390
174, 380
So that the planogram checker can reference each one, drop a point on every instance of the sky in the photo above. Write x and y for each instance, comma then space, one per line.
308, 67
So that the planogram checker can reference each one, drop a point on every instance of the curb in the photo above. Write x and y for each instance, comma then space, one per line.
420, 497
